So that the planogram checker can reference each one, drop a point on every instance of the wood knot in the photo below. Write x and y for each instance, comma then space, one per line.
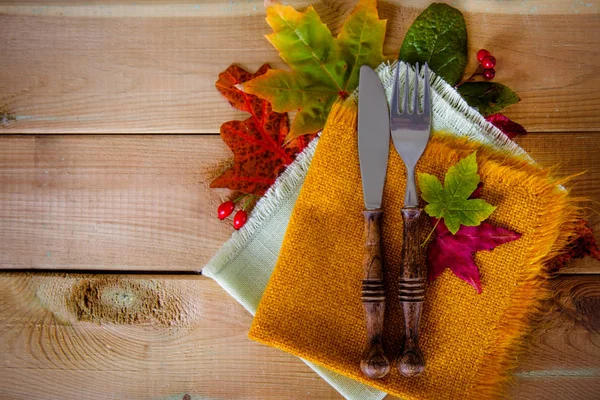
124, 301
589, 310
117, 300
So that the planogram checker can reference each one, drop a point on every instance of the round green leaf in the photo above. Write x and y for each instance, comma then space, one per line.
439, 37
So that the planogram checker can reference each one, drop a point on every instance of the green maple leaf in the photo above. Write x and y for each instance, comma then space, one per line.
451, 201
323, 68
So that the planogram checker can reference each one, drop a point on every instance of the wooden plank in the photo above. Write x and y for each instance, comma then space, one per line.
139, 337
151, 67
98, 337
186, 8
110, 202
572, 153
143, 202
573, 334
551, 98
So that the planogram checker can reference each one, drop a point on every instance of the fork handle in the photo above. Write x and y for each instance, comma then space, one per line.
374, 363
412, 293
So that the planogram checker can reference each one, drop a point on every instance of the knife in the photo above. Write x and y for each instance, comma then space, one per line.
373, 151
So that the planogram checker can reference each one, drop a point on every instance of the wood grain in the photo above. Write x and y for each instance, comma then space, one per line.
187, 8
413, 275
143, 203
570, 154
55, 346
68, 67
572, 331
374, 363
110, 203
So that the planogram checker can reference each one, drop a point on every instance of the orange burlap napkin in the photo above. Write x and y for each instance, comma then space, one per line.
312, 305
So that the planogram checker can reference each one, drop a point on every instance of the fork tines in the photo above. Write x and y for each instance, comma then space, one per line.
406, 107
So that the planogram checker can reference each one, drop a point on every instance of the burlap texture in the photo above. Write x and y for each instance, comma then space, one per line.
312, 305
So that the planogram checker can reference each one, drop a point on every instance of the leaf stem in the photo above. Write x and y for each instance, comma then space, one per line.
478, 71
431, 233
250, 198
240, 197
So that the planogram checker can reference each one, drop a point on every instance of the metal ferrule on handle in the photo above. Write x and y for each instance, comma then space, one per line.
411, 198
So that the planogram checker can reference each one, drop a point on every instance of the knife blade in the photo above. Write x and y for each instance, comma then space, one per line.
373, 136
373, 152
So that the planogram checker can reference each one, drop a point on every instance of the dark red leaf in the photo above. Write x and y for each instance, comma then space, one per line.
456, 251
477, 192
583, 244
508, 127
257, 142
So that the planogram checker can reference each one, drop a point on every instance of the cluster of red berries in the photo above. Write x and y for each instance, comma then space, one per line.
488, 62
225, 210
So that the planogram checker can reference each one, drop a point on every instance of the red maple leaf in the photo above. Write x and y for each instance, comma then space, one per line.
456, 251
583, 243
508, 127
259, 153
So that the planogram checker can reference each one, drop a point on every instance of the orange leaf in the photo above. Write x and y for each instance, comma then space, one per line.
257, 142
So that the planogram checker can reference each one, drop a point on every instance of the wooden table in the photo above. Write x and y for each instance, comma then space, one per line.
106, 215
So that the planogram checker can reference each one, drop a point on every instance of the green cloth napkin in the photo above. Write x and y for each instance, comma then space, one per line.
244, 264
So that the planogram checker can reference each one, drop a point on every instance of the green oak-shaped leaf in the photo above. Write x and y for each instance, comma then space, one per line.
487, 97
451, 201
439, 37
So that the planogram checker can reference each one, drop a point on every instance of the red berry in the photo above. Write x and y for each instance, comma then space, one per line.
489, 73
240, 219
481, 54
488, 62
225, 209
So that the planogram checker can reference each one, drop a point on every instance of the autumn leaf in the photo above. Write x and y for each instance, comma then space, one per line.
323, 68
257, 142
508, 127
451, 201
455, 251
581, 244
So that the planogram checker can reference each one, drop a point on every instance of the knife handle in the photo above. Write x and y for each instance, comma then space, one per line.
374, 363
412, 293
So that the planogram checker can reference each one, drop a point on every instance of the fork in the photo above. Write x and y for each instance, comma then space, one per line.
410, 132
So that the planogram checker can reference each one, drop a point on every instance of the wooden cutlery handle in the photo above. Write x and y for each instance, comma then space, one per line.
374, 363
412, 291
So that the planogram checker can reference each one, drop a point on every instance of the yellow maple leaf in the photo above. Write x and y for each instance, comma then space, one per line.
323, 68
